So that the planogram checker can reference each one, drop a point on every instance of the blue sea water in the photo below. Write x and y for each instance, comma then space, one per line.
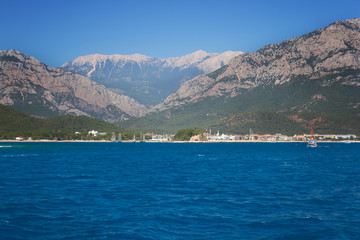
179, 191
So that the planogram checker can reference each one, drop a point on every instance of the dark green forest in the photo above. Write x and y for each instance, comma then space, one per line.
14, 124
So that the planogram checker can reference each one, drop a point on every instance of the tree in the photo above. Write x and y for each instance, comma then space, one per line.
186, 134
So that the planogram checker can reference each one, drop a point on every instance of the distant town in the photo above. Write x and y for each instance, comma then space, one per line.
206, 137
96, 136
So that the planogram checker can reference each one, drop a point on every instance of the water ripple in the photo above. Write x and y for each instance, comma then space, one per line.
179, 191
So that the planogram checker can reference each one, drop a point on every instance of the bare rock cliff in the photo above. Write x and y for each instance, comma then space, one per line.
27, 83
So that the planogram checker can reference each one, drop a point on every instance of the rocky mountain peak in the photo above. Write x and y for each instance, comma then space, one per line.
189, 60
99, 58
314, 54
13, 55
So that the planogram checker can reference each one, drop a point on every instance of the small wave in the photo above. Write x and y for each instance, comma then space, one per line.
4, 222
5, 146
21, 155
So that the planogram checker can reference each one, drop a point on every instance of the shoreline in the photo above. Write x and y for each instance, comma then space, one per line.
130, 141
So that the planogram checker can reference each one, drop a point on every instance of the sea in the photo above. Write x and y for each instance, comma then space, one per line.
86, 190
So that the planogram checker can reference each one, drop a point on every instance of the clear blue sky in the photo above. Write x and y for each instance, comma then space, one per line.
56, 31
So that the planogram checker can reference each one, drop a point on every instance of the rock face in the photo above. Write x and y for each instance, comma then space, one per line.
149, 80
37, 89
323, 58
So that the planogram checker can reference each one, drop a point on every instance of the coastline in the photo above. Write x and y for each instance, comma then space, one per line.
130, 141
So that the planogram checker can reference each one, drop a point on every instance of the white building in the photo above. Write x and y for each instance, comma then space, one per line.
218, 137
93, 133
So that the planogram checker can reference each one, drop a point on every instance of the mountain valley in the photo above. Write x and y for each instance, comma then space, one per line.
148, 80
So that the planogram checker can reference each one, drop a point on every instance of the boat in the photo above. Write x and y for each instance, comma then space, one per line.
312, 142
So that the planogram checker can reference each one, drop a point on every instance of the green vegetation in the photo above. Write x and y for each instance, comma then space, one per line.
186, 134
12, 120
328, 123
14, 124
261, 122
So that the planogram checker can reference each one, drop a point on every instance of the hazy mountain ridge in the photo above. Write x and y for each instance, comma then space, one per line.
325, 57
147, 79
37, 89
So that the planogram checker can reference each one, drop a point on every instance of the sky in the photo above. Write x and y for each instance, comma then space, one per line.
56, 32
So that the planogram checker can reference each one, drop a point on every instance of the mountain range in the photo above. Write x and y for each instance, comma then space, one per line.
148, 80
318, 72
308, 81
